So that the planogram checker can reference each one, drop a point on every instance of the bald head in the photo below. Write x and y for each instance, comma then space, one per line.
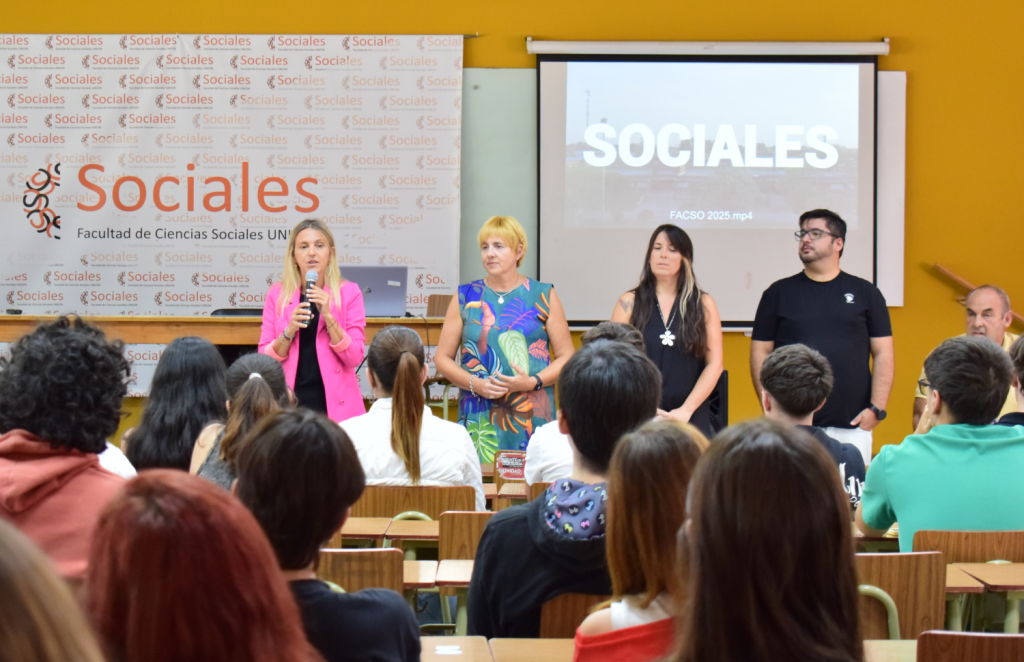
988, 313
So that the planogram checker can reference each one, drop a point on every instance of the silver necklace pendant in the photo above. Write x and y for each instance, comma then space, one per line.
668, 338
501, 299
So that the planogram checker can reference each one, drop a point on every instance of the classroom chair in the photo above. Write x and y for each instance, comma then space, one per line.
916, 584
537, 489
416, 502
437, 306
460, 534
973, 547
356, 569
561, 615
969, 647
500, 503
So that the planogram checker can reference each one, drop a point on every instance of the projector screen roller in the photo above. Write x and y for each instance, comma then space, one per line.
732, 152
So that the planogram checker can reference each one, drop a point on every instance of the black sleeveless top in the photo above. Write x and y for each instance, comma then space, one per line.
309, 383
680, 370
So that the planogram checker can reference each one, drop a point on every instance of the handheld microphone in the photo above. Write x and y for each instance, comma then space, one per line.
310, 281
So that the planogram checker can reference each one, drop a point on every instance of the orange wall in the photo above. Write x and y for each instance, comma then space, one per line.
965, 98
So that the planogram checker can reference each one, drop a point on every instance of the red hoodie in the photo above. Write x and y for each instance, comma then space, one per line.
54, 496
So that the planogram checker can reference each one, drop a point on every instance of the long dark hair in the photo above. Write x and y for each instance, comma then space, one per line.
252, 398
188, 392
688, 325
396, 360
769, 559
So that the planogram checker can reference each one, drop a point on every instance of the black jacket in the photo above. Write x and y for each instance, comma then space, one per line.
520, 564
847, 457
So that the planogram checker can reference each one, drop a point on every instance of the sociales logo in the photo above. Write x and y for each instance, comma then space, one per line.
40, 186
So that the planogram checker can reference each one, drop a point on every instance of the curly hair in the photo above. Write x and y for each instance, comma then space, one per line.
64, 382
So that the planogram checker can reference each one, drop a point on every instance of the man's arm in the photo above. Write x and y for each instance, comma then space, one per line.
883, 369
864, 528
759, 351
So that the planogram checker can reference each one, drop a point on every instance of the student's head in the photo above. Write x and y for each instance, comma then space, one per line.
1017, 359
64, 383
988, 313
397, 370
187, 393
257, 387
647, 481
796, 381
39, 619
606, 389
832, 235
767, 553
299, 474
180, 570
619, 331
971, 377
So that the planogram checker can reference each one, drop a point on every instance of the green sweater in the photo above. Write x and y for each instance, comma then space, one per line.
953, 478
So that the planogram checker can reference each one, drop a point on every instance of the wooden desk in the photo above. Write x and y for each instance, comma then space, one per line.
218, 330
561, 650
513, 490
534, 650
890, 651
455, 575
958, 581
487, 470
889, 541
460, 649
1005, 578
412, 529
490, 491
365, 528
419, 574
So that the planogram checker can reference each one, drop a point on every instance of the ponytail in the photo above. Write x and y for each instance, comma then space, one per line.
396, 359
257, 388
407, 414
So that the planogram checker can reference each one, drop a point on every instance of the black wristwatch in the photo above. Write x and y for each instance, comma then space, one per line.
540, 383
879, 413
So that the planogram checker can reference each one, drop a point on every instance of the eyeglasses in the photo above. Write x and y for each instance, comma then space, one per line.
815, 234
923, 385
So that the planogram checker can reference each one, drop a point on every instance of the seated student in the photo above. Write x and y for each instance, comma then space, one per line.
954, 475
257, 387
548, 455
1016, 352
40, 621
299, 475
554, 545
767, 553
795, 382
188, 393
61, 392
179, 570
399, 440
647, 482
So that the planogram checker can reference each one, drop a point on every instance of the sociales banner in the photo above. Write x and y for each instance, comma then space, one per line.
161, 174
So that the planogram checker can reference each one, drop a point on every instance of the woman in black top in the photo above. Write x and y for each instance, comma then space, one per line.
680, 324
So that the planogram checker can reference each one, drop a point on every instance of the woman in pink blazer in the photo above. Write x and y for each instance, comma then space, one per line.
318, 346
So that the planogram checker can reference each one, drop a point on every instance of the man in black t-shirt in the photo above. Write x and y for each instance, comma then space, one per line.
843, 317
795, 382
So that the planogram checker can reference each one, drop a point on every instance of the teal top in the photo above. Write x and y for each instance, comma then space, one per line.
956, 477
497, 332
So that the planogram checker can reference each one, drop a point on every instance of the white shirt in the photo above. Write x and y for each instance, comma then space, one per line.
548, 455
114, 461
447, 454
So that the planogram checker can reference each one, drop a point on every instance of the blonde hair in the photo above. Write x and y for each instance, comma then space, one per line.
39, 619
508, 229
292, 280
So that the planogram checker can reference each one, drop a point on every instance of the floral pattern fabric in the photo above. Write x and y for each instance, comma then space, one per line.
496, 336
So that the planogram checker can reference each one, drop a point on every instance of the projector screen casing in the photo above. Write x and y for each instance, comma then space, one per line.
592, 264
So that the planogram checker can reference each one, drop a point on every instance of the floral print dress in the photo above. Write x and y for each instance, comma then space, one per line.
496, 333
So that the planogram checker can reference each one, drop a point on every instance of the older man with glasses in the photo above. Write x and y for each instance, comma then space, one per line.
841, 316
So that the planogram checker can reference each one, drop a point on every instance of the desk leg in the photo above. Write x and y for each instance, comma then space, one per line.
955, 612
1011, 623
461, 613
